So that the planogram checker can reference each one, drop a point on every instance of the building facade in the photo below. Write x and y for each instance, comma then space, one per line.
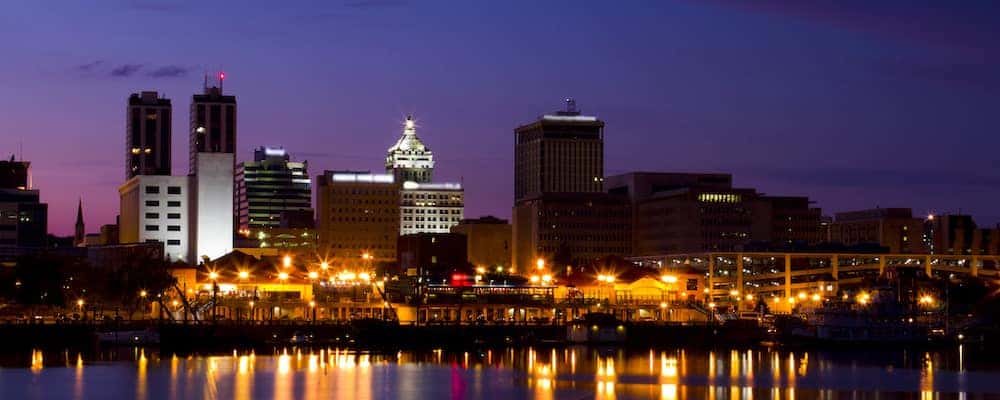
959, 235
23, 217
432, 255
156, 208
270, 186
357, 214
213, 123
559, 153
570, 229
893, 228
488, 241
147, 140
430, 207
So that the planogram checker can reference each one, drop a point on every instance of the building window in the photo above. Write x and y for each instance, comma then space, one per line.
174, 216
173, 190
152, 215
152, 228
152, 203
173, 242
152, 190
174, 228
173, 204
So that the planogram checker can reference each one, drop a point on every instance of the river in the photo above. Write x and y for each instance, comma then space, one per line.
538, 373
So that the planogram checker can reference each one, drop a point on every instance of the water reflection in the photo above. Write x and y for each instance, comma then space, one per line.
541, 373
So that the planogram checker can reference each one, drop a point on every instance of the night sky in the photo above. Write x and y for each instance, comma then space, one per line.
853, 103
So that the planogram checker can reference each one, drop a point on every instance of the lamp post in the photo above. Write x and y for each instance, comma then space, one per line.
142, 301
214, 276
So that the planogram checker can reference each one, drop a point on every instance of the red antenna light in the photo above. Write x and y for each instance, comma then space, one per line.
222, 75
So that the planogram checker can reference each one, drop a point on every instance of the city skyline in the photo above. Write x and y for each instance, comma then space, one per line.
869, 118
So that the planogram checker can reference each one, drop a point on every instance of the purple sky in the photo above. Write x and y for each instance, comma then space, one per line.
855, 104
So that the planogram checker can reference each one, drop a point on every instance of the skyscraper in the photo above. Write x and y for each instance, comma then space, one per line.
409, 159
147, 140
559, 153
269, 186
23, 218
213, 123
357, 215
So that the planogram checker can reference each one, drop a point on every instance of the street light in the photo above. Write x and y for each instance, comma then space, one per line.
313, 274
283, 276
324, 265
365, 276
668, 279
142, 293
244, 274
540, 263
535, 279
546, 278
927, 300
213, 275
286, 261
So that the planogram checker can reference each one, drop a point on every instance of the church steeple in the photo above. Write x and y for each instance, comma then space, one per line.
80, 233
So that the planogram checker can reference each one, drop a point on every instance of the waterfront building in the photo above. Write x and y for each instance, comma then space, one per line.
893, 228
487, 241
148, 135
435, 256
156, 208
270, 186
357, 215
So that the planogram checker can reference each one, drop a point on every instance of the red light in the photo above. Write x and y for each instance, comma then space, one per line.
222, 75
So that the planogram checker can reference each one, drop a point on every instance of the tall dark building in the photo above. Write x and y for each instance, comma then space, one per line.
23, 218
147, 141
213, 123
559, 153
271, 186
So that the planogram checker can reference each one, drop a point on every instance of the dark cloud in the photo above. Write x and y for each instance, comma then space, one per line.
169, 71
88, 67
125, 70
375, 3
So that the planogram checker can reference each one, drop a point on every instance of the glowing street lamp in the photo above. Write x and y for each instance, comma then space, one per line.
365, 276
535, 279
213, 275
324, 265
668, 279
244, 274
79, 305
546, 279
540, 263
480, 270
864, 298
815, 297
927, 300
286, 261
313, 274
142, 293
283, 276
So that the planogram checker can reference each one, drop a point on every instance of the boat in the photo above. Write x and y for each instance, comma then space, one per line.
596, 328
129, 337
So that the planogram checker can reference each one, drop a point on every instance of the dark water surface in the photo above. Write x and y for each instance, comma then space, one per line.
541, 373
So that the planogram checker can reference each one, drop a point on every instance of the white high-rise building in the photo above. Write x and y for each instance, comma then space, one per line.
157, 208
425, 207
212, 206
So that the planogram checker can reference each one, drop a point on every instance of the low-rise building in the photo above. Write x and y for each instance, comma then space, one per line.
487, 241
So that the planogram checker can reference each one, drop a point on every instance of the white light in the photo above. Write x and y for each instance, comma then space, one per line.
274, 151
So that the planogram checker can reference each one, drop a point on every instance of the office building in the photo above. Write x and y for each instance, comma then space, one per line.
689, 212
156, 208
570, 229
893, 228
270, 186
430, 207
23, 217
409, 159
212, 230
357, 214
956, 234
213, 123
147, 140
559, 153
425, 207
487, 241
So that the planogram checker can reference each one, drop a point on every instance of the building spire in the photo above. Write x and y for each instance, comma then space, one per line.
80, 232
409, 127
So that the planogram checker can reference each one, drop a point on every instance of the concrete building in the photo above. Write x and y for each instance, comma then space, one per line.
959, 235
488, 241
270, 186
432, 255
894, 228
559, 153
570, 229
156, 208
212, 229
147, 136
430, 207
357, 214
